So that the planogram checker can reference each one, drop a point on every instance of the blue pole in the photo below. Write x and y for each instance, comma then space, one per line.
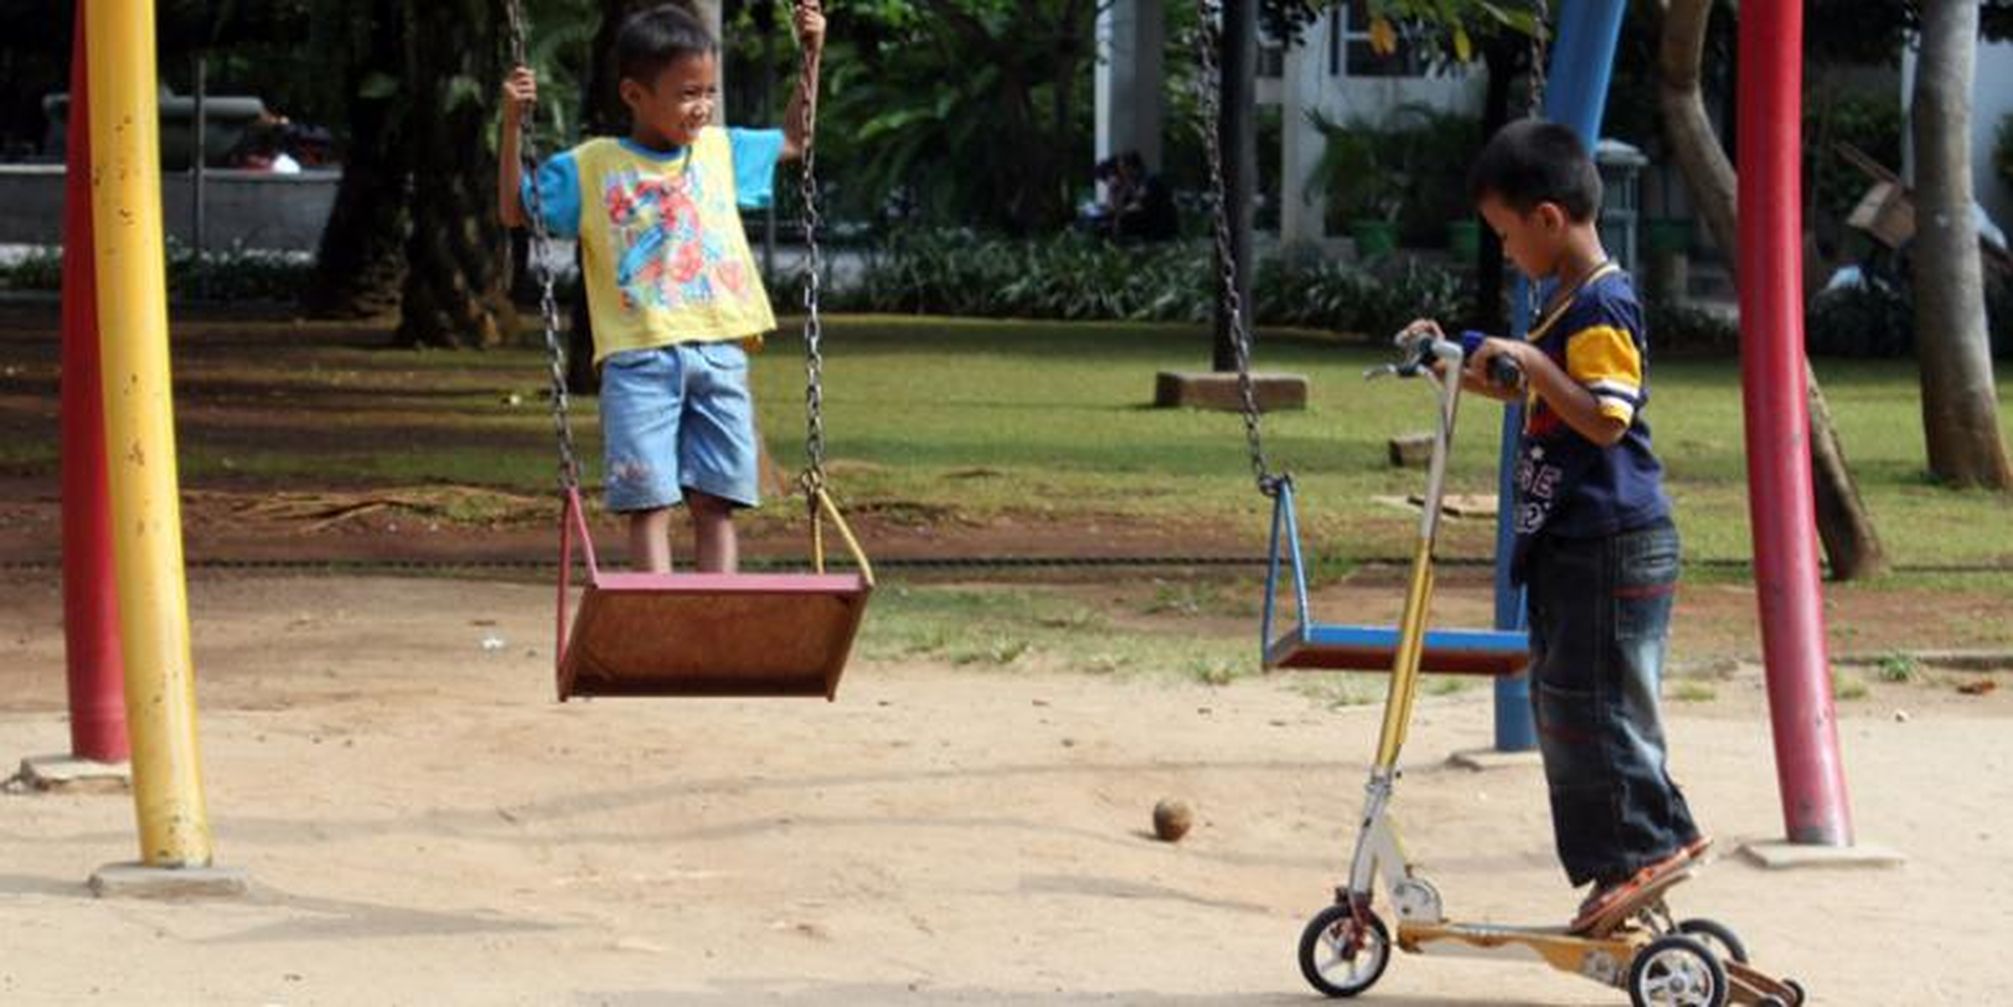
1576, 93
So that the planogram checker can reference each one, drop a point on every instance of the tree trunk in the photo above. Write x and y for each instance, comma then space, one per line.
360, 264
1960, 408
1843, 523
457, 289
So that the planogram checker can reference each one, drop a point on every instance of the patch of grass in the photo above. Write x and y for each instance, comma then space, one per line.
1052, 414
1898, 668
1337, 690
1848, 687
1217, 670
1447, 685
1692, 690
1199, 598
1023, 628
1000, 650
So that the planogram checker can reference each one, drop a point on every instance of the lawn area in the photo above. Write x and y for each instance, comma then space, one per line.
965, 420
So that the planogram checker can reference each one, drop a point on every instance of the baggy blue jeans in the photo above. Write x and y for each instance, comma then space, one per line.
1600, 620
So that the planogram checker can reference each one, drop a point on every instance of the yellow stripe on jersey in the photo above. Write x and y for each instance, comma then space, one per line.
1604, 359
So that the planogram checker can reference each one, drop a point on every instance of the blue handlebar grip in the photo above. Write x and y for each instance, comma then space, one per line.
1502, 370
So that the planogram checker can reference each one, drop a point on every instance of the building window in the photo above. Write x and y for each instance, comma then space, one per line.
1365, 61
1271, 61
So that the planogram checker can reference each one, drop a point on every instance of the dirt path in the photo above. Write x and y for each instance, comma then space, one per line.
425, 826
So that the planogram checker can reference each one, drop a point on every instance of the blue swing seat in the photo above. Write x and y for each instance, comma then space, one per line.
1310, 645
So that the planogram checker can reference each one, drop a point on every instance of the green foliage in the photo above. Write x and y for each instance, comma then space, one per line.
1870, 121
1899, 668
1357, 172
1076, 277
1876, 318
1411, 168
1682, 328
236, 274
959, 111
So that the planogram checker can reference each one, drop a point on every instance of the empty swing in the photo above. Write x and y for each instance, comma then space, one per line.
703, 634
1301, 641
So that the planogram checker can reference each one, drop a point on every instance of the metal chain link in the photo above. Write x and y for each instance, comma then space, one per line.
540, 261
813, 479
1540, 33
1209, 90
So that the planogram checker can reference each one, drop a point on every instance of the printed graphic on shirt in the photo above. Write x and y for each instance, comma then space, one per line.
664, 259
1537, 489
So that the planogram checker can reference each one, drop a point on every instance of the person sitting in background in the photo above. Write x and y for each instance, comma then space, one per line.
1146, 211
264, 147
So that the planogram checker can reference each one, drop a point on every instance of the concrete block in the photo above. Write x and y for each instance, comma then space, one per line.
1215, 390
139, 881
1411, 450
73, 775
1781, 855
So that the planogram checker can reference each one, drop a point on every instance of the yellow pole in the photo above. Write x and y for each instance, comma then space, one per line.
140, 433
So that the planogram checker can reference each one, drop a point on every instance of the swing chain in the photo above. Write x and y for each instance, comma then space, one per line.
1541, 13
1540, 29
540, 261
813, 478
1208, 87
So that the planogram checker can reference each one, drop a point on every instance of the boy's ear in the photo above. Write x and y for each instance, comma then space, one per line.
1551, 216
632, 91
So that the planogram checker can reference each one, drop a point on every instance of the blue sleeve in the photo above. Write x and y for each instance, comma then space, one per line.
558, 182
756, 153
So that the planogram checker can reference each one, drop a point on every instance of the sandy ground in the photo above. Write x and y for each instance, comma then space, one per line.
424, 825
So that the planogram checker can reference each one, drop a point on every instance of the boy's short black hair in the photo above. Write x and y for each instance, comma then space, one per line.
657, 37
1531, 161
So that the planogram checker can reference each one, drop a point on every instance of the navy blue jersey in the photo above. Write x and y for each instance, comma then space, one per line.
1567, 485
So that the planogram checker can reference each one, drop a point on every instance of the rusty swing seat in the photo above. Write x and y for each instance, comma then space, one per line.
688, 634
1310, 645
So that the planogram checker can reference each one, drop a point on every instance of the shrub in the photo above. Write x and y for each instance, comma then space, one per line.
235, 274
1075, 277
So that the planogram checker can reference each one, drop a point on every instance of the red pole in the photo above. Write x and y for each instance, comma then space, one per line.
1776, 403
90, 589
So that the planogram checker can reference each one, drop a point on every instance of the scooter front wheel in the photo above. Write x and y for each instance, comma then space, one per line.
1342, 955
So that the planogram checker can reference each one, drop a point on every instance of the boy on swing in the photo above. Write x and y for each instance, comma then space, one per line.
671, 285
1595, 545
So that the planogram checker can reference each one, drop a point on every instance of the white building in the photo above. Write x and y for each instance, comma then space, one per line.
1334, 71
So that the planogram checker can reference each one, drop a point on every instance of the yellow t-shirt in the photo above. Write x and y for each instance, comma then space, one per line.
662, 247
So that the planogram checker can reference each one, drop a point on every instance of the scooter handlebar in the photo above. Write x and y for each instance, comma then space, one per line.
1420, 349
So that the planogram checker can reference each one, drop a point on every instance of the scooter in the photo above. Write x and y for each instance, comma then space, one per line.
1636, 945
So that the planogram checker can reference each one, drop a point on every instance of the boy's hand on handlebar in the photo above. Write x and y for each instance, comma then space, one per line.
1485, 363
1429, 329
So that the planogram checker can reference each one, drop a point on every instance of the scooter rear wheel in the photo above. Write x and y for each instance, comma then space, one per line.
1717, 936
1677, 971
1340, 955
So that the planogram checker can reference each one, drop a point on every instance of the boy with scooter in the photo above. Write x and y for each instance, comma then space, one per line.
1595, 545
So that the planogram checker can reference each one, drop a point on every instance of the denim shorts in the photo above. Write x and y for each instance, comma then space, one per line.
677, 418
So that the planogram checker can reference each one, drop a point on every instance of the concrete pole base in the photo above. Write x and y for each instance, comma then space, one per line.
1782, 855
69, 774
139, 881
